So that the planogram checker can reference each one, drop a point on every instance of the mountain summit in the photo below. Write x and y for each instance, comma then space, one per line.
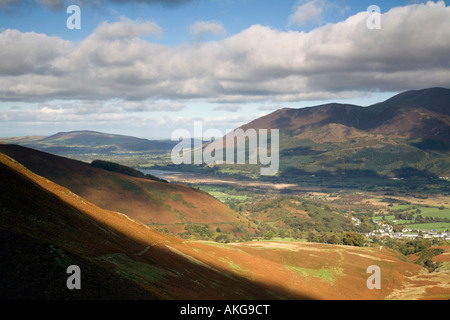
415, 113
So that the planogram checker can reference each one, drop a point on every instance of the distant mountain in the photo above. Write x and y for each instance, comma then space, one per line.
90, 142
422, 113
434, 99
409, 130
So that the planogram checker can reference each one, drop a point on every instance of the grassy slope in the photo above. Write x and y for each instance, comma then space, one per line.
45, 227
56, 227
336, 146
165, 204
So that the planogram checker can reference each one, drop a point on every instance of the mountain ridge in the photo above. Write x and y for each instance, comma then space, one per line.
435, 112
408, 130
148, 201
120, 258
81, 141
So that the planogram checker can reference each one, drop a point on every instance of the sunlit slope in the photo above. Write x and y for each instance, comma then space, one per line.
166, 205
324, 271
44, 228
428, 286
319, 271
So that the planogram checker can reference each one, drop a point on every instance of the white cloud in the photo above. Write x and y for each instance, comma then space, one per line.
149, 106
228, 108
126, 29
202, 28
306, 12
46, 113
269, 108
258, 64
30, 53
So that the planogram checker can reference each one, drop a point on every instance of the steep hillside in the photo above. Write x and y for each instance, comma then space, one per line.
164, 205
337, 133
44, 228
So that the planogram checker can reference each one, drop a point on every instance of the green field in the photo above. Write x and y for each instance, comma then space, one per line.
386, 217
426, 212
224, 194
438, 226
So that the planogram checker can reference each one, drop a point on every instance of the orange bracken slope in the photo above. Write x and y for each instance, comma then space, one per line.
44, 228
167, 205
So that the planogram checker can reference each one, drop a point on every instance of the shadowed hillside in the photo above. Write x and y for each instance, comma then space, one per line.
151, 202
45, 227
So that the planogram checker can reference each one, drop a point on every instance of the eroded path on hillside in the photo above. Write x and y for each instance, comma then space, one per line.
427, 286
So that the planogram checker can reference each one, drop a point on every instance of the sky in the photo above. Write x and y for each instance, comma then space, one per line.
148, 67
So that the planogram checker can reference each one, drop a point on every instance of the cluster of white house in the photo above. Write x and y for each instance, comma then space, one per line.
356, 221
387, 230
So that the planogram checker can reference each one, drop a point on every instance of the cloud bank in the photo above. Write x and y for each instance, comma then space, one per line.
258, 64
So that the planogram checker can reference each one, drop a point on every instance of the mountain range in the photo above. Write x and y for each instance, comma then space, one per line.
86, 141
56, 212
416, 113
408, 134
409, 130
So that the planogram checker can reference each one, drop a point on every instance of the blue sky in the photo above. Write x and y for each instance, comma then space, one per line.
145, 68
235, 15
